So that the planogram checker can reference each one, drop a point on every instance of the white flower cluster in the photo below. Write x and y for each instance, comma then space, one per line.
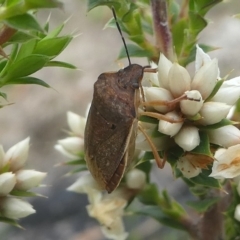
107, 209
14, 178
183, 105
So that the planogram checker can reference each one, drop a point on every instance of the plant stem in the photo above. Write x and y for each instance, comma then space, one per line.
161, 27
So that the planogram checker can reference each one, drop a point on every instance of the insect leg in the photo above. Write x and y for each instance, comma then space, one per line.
160, 162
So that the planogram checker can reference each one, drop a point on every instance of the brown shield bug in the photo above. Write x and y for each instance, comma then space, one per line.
112, 123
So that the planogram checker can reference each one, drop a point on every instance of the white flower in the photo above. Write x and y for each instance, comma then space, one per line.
164, 66
237, 213
108, 211
168, 128
76, 123
17, 155
214, 112
7, 183
83, 184
72, 145
227, 163
27, 179
226, 136
136, 179
201, 58
192, 105
187, 138
15, 208
187, 168
205, 78
179, 80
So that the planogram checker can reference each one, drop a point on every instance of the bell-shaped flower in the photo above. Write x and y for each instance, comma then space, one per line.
27, 179
168, 128
188, 138
187, 168
158, 94
151, 79
227, 163
76, 123
237, 213
179, 80
7, 183
213, 112
15, 208
164, 66
17, 155
192, 104
205, 78
136, 179
229, 92
226, 136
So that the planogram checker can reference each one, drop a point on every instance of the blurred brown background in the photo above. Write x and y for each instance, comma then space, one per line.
41, 114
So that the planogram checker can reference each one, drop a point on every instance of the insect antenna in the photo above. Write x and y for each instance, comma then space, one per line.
120, 31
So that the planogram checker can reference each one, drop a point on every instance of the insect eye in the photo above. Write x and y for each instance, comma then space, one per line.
135, 85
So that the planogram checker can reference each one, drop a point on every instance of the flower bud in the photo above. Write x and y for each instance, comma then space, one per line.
201, 58
27, 179
158, 94
226, 136
15, 208
188, 138
179, 80
76, 123
188, 170
73, 145
237, 213
168, 128
192, 105
136, 179
206, 78
164, 66
7, 183
213, 112
65, 153
17, 155
83, 184
151, 79
229, 92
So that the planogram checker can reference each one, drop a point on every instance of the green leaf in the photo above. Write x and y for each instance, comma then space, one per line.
134, 51
156, 213
222, 123
20, 37
32, 4
149, 195
52, 46
10, 221
148, 119
203, 205
26, 49
60, 64
204, 145
95, 3
203, 179
76, 162
76, 170
145, 167
26, 66
54, 33
24, 22
3, 95
21, 193
215, 90
3, 64
27, 80
196, 22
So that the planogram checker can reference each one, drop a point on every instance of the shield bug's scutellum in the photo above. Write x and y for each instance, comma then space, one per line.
112, 123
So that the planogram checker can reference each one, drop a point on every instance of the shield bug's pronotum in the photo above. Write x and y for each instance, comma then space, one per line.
112, 123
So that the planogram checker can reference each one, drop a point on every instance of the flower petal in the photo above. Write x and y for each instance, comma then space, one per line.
188, 170
179, 80
201, 58
7, 183
237, 213
206, 78
188, 138
226, 136
76, 123
213, 112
